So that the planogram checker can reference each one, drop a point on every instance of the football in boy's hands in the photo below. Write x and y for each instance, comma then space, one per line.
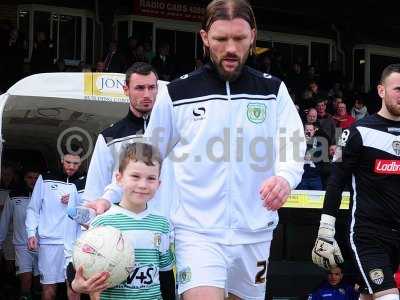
104, 249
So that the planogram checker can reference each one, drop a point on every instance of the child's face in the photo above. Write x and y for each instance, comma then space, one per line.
139, 182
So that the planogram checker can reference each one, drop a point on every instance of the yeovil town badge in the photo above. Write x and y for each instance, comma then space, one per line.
396, 147
256, 112
185, 275
376, 276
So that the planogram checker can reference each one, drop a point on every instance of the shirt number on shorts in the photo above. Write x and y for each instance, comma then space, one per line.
260, 276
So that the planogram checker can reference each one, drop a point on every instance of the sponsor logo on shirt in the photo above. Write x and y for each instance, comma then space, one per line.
344, 137
383, 166
143, 276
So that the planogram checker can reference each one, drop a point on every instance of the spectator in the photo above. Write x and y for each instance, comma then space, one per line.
14, 58
264, 63
313, 87
277, 66
311, 116
312, 73
326, 122
148, 52
342, 118
84, 67
336, 90
163, 63
309, 95
140, 55
130, 51
5, 27
100, 67
334, 75
296, 81
334, 288
60, 65
42, 54
359, 110
311, 179
114, 61
333, 103
326, 166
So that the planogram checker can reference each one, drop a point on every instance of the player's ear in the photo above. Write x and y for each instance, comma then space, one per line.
126, 89
118, 176
204, 37
381, 90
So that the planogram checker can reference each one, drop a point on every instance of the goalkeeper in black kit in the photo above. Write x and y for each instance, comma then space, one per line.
370, 153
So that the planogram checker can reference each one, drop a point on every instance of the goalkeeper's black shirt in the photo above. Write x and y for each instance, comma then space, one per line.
370, 153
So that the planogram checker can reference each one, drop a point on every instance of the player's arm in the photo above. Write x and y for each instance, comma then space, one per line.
97, 194
290, 149
100, 172
5, 220
33, 212
71, 228
161, 130
326, 252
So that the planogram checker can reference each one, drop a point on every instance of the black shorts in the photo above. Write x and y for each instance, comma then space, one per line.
376, 251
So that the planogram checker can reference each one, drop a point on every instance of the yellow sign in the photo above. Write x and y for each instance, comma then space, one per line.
105, 87
312, 199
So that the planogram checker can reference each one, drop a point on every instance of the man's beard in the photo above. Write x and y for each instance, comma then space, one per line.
393, 109
228, 76
142, 111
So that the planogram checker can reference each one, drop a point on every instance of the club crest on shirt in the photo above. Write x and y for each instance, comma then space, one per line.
396, 147
256, 112
184, 276
376, 276
157, 240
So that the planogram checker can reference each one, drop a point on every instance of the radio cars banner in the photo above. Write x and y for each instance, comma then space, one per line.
169, 9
